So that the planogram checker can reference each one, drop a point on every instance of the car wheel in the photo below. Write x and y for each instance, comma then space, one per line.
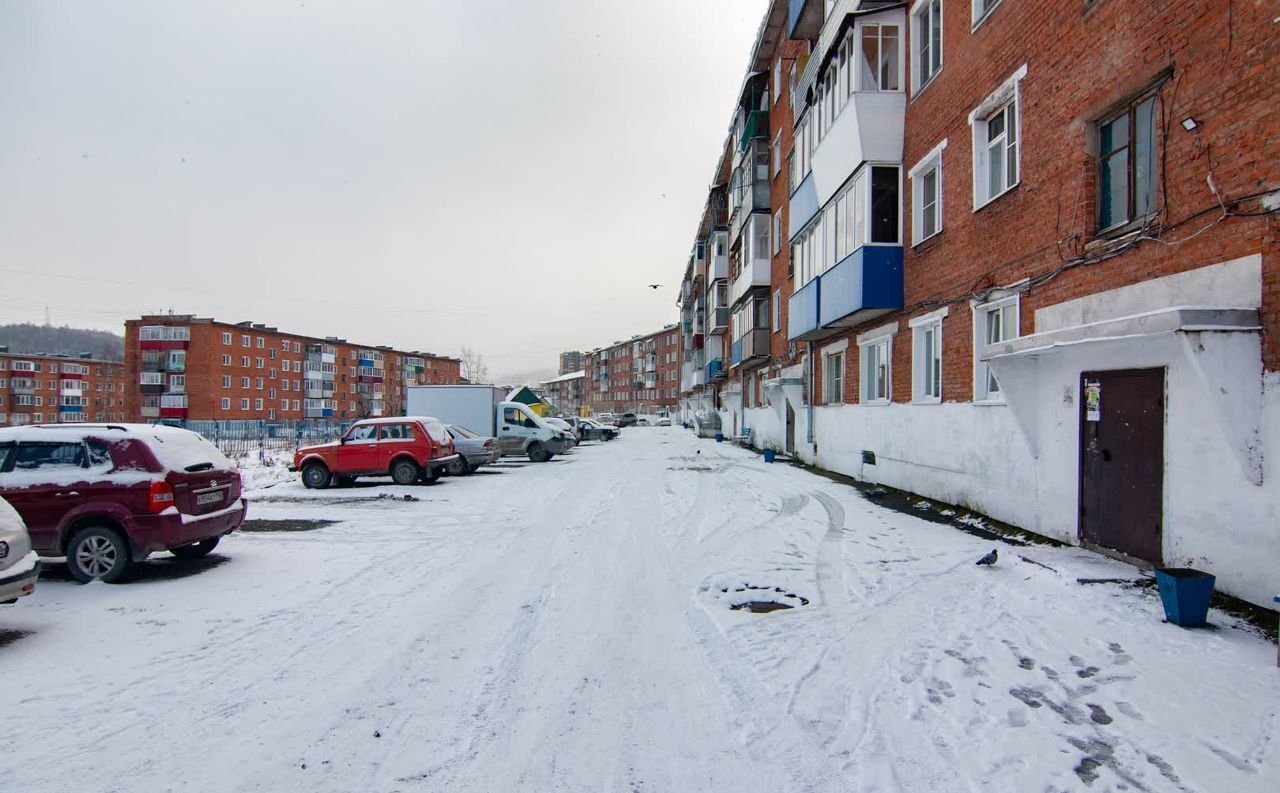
196, 550
458, 467
404, 472
471, 469
315, 476
429, 476
538, 454
96, 552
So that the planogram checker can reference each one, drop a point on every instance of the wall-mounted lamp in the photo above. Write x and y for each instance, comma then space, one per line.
1189, 123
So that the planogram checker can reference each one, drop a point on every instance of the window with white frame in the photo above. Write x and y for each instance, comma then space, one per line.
777, 310
245, 341
226, 403
993, 322
226, 338
244, 404
926, 195
981, 8
244, 382
926, 357
926, 32
997, 141
881, 62
777, 232
875, 354
833, 378
226, 381
257, 403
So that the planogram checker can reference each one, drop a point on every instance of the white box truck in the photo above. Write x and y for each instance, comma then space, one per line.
481, 409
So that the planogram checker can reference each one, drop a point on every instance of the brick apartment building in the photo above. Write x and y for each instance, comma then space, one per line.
639, 375
183, 367
1025, 261
52, 389
566, 392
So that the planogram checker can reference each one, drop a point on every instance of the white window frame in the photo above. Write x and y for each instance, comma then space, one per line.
226, 403
856, 50
1009, 93
244, 403
930, 163
831, 395
982, 376
923, 366
777, 232
226, 339
981, 15
879, 340
918, 79
226, 381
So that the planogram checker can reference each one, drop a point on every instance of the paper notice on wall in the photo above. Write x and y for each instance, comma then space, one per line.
1092, 400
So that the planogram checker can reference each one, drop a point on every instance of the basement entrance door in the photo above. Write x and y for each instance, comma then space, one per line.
1122, 461
791, 428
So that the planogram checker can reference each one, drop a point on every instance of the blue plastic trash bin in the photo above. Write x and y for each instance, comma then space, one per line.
1185, 594
769, 454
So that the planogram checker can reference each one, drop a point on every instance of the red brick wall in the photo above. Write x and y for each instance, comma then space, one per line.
1080, 62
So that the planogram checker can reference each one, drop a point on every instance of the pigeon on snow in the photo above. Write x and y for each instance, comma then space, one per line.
989, 559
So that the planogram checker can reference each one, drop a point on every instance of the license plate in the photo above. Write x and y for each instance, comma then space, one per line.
208, 498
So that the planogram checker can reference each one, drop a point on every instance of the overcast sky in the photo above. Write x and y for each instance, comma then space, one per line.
503, 175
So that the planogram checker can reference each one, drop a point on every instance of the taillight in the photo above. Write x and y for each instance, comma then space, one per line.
488, 444
161, 497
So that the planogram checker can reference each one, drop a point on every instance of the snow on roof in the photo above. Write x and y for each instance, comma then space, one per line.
174, 448
569, 376
396, 419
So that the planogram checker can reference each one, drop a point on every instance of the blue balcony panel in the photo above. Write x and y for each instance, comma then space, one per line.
802, 312
715, 369
735, 353
865, 284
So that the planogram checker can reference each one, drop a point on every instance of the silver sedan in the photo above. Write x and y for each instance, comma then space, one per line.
473, 451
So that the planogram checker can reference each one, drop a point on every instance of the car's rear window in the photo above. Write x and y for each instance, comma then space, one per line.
463, 431
437, 431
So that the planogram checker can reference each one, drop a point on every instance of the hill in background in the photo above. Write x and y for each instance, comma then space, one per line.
28, 339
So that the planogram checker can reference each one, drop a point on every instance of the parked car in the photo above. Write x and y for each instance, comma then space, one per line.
411, 449
570, 436
473, 451
19, 564
105, 496
594, 430
626, 419
663, 421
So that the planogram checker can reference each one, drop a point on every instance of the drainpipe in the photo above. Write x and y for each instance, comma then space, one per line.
808, 376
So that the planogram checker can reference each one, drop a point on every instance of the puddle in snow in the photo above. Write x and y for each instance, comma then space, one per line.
8, 636
285, 525
769, 599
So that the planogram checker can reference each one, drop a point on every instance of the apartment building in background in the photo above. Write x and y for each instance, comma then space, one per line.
54, 389
566, 392
570, 362
183, 368
1025, 261
639, 375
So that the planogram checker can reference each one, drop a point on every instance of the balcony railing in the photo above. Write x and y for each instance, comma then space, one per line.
864, 285
715, 369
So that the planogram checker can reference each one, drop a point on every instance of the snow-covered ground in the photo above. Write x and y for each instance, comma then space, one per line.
568, 627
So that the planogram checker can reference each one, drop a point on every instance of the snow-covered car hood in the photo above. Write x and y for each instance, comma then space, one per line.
318, 447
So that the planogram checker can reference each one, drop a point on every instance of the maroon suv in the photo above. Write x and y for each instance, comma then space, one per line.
107, 495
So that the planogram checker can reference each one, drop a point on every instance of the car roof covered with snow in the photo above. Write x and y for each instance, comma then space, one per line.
174, 448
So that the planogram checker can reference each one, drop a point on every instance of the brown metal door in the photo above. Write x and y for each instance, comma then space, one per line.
791, 429
1122, 461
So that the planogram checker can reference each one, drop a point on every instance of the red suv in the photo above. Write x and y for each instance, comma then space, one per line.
105, 496
409, 448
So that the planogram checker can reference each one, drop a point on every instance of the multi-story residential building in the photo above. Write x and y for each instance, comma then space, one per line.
570, 362
51, 389
1033, 266
639, 375
567, 392
190, 368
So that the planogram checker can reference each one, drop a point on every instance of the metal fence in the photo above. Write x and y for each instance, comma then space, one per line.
245, 437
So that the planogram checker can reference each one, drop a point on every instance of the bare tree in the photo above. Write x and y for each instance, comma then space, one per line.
474, 369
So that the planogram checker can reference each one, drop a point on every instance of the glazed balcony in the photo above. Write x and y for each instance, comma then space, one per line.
863, 286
